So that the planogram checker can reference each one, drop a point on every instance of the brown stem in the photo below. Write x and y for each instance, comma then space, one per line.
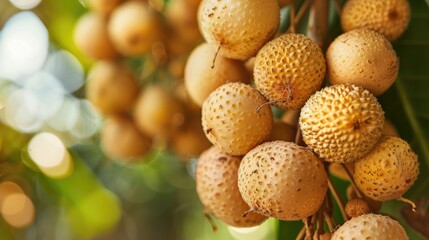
328, 221
308, 227
298, 136
210, 219
292, 17
337, 6
317, 28
301, 12
337, 198
300, 234
215, 56
352, 181
406, 200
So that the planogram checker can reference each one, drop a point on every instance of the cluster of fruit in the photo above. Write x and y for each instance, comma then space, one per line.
248, 175
141, 111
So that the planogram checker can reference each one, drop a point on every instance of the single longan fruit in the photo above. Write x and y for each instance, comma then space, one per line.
374, 205
134, 27
121, 140
239, 27
341, 123
371, 226
289, 69
201, 79
111, 87
217, 187
388, 171
283, 131
282, 180
104, 7
92, 38
236, 118
356, 207
388, 17
157, 112
362, 57
182, 17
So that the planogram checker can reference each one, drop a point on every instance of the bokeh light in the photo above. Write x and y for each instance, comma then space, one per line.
16, 207
50, 155
252, 233
25, 4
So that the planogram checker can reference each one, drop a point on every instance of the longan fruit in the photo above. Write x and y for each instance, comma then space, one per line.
104, 7
356, 207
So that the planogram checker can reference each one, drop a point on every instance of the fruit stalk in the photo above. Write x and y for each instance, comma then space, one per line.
337, 198
318, 22
352, 181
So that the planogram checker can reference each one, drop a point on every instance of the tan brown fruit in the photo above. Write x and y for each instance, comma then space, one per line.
289, 69
362, 57
374, 205
92, 38
121, 140
201, 79
371, 226
104, 7
234, 119
282, 180
111, 87
250, 65
239, 27
337, 170
182, 17
216, 180
389, 129
157, 112
357, 207
283, 131
341, 123
388, 17
291, 117
134, 27
388, 171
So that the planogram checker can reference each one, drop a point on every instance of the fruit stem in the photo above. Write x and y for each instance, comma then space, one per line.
308, 230
337, 5
210, 219
317, 28
328, 221
300, 234
352, 181
215, 56
406, 200
337, 198
292, 17
298, 136
302, 11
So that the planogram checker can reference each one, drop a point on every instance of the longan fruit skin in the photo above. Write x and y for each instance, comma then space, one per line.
289, 69
201, 79
362, 57
134, 27
182, 16
104, 7
239, 27
235, 119
111, 87
374, 205
388, 17
356, 207
370, 226
121, 140
217, 188
341, 123
388, 171
92, 38
282, 180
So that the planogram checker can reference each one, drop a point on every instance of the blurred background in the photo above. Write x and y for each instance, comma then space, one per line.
57, 182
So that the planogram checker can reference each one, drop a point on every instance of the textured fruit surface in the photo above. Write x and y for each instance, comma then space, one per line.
388, 17
371, 226
356, 207
289, 69
111, 87
217, 187
121, 140
234, 119
374, 205
283, 131
240, 27
133, 28
282, 180
388, 171
341, 123
103, 6
201, 79
92, 38
362, 57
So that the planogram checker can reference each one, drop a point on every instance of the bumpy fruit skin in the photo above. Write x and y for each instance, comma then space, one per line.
111, 87
201, 79
92, 38
356, 207
234, 119
362, 57
341, 123
239, 27
282, 180
289, 69
121, 140
134, 27
371, 226
388, 171
217, 187
388, 17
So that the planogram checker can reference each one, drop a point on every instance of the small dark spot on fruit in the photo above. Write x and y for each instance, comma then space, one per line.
408, 180
393, 15
222, 159
208, 131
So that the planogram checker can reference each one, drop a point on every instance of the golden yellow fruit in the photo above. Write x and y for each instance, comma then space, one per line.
104, 7
362, 57
282, 180
283, 131
388, 17
216, 180
239, 27
111, 87
289, 69
388, 171
356, 207
234, 119
92, 38
121, 140
182, 17
374, 205
201, 79
371, 226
